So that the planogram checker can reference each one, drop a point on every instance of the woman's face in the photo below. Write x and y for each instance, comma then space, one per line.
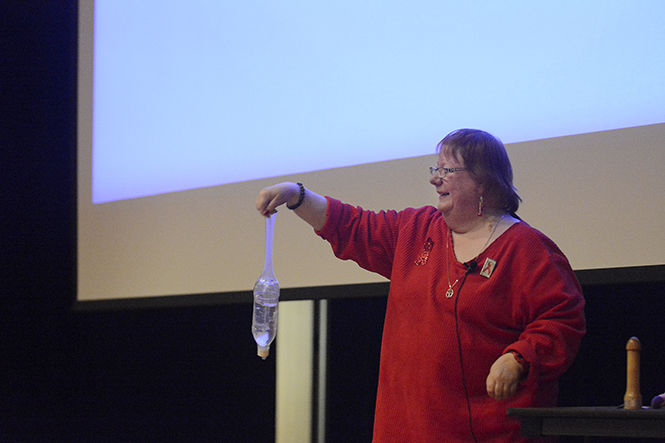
458, 192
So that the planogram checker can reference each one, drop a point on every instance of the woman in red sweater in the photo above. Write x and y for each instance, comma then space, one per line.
484, 312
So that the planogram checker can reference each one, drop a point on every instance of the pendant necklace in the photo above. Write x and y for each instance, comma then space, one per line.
450, 292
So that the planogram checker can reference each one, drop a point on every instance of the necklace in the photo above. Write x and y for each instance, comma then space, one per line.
450, 292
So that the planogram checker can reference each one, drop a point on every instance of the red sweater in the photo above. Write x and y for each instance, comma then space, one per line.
530, 302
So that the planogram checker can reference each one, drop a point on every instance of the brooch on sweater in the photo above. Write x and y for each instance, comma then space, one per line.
427, 248
488, 268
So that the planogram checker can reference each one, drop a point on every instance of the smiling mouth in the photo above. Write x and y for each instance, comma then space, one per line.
443, 194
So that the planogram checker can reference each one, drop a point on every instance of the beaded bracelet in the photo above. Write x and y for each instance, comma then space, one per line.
300, 199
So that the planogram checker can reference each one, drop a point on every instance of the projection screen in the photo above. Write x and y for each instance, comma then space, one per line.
188, 109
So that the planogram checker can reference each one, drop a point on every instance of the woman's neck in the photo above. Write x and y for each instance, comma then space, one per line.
475, 225
471, 240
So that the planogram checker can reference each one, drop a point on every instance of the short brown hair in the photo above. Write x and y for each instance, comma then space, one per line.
485, 157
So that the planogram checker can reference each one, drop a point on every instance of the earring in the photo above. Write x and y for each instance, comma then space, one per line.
481, 206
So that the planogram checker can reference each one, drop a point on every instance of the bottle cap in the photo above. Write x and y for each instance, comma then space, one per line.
263, 351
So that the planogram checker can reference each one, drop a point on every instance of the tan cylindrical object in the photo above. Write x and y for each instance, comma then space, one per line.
633, 398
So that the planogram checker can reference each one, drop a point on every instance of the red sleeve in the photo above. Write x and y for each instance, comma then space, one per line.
366, 237
553, 312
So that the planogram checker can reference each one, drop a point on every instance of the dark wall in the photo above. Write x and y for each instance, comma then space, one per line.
176, 374
614, 314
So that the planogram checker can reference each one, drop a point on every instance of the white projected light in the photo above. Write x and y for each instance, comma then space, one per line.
187, 109
203, 93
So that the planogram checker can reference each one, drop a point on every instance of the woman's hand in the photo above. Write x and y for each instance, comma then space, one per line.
273, 196
313, 208
504, 377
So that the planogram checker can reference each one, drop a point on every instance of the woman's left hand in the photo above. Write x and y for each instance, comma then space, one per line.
504, 377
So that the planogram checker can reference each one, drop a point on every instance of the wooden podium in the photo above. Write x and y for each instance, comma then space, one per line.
591, 422
630, 420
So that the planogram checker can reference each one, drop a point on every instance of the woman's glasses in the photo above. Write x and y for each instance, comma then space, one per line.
442, 173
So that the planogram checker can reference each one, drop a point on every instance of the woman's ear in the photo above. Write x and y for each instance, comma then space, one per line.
481, 188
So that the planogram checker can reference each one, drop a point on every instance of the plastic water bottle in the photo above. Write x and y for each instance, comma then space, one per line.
266, 299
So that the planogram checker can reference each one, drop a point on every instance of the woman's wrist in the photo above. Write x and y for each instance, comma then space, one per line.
299, 197
524, 365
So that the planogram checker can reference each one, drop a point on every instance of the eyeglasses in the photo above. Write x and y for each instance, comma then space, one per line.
442, 173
